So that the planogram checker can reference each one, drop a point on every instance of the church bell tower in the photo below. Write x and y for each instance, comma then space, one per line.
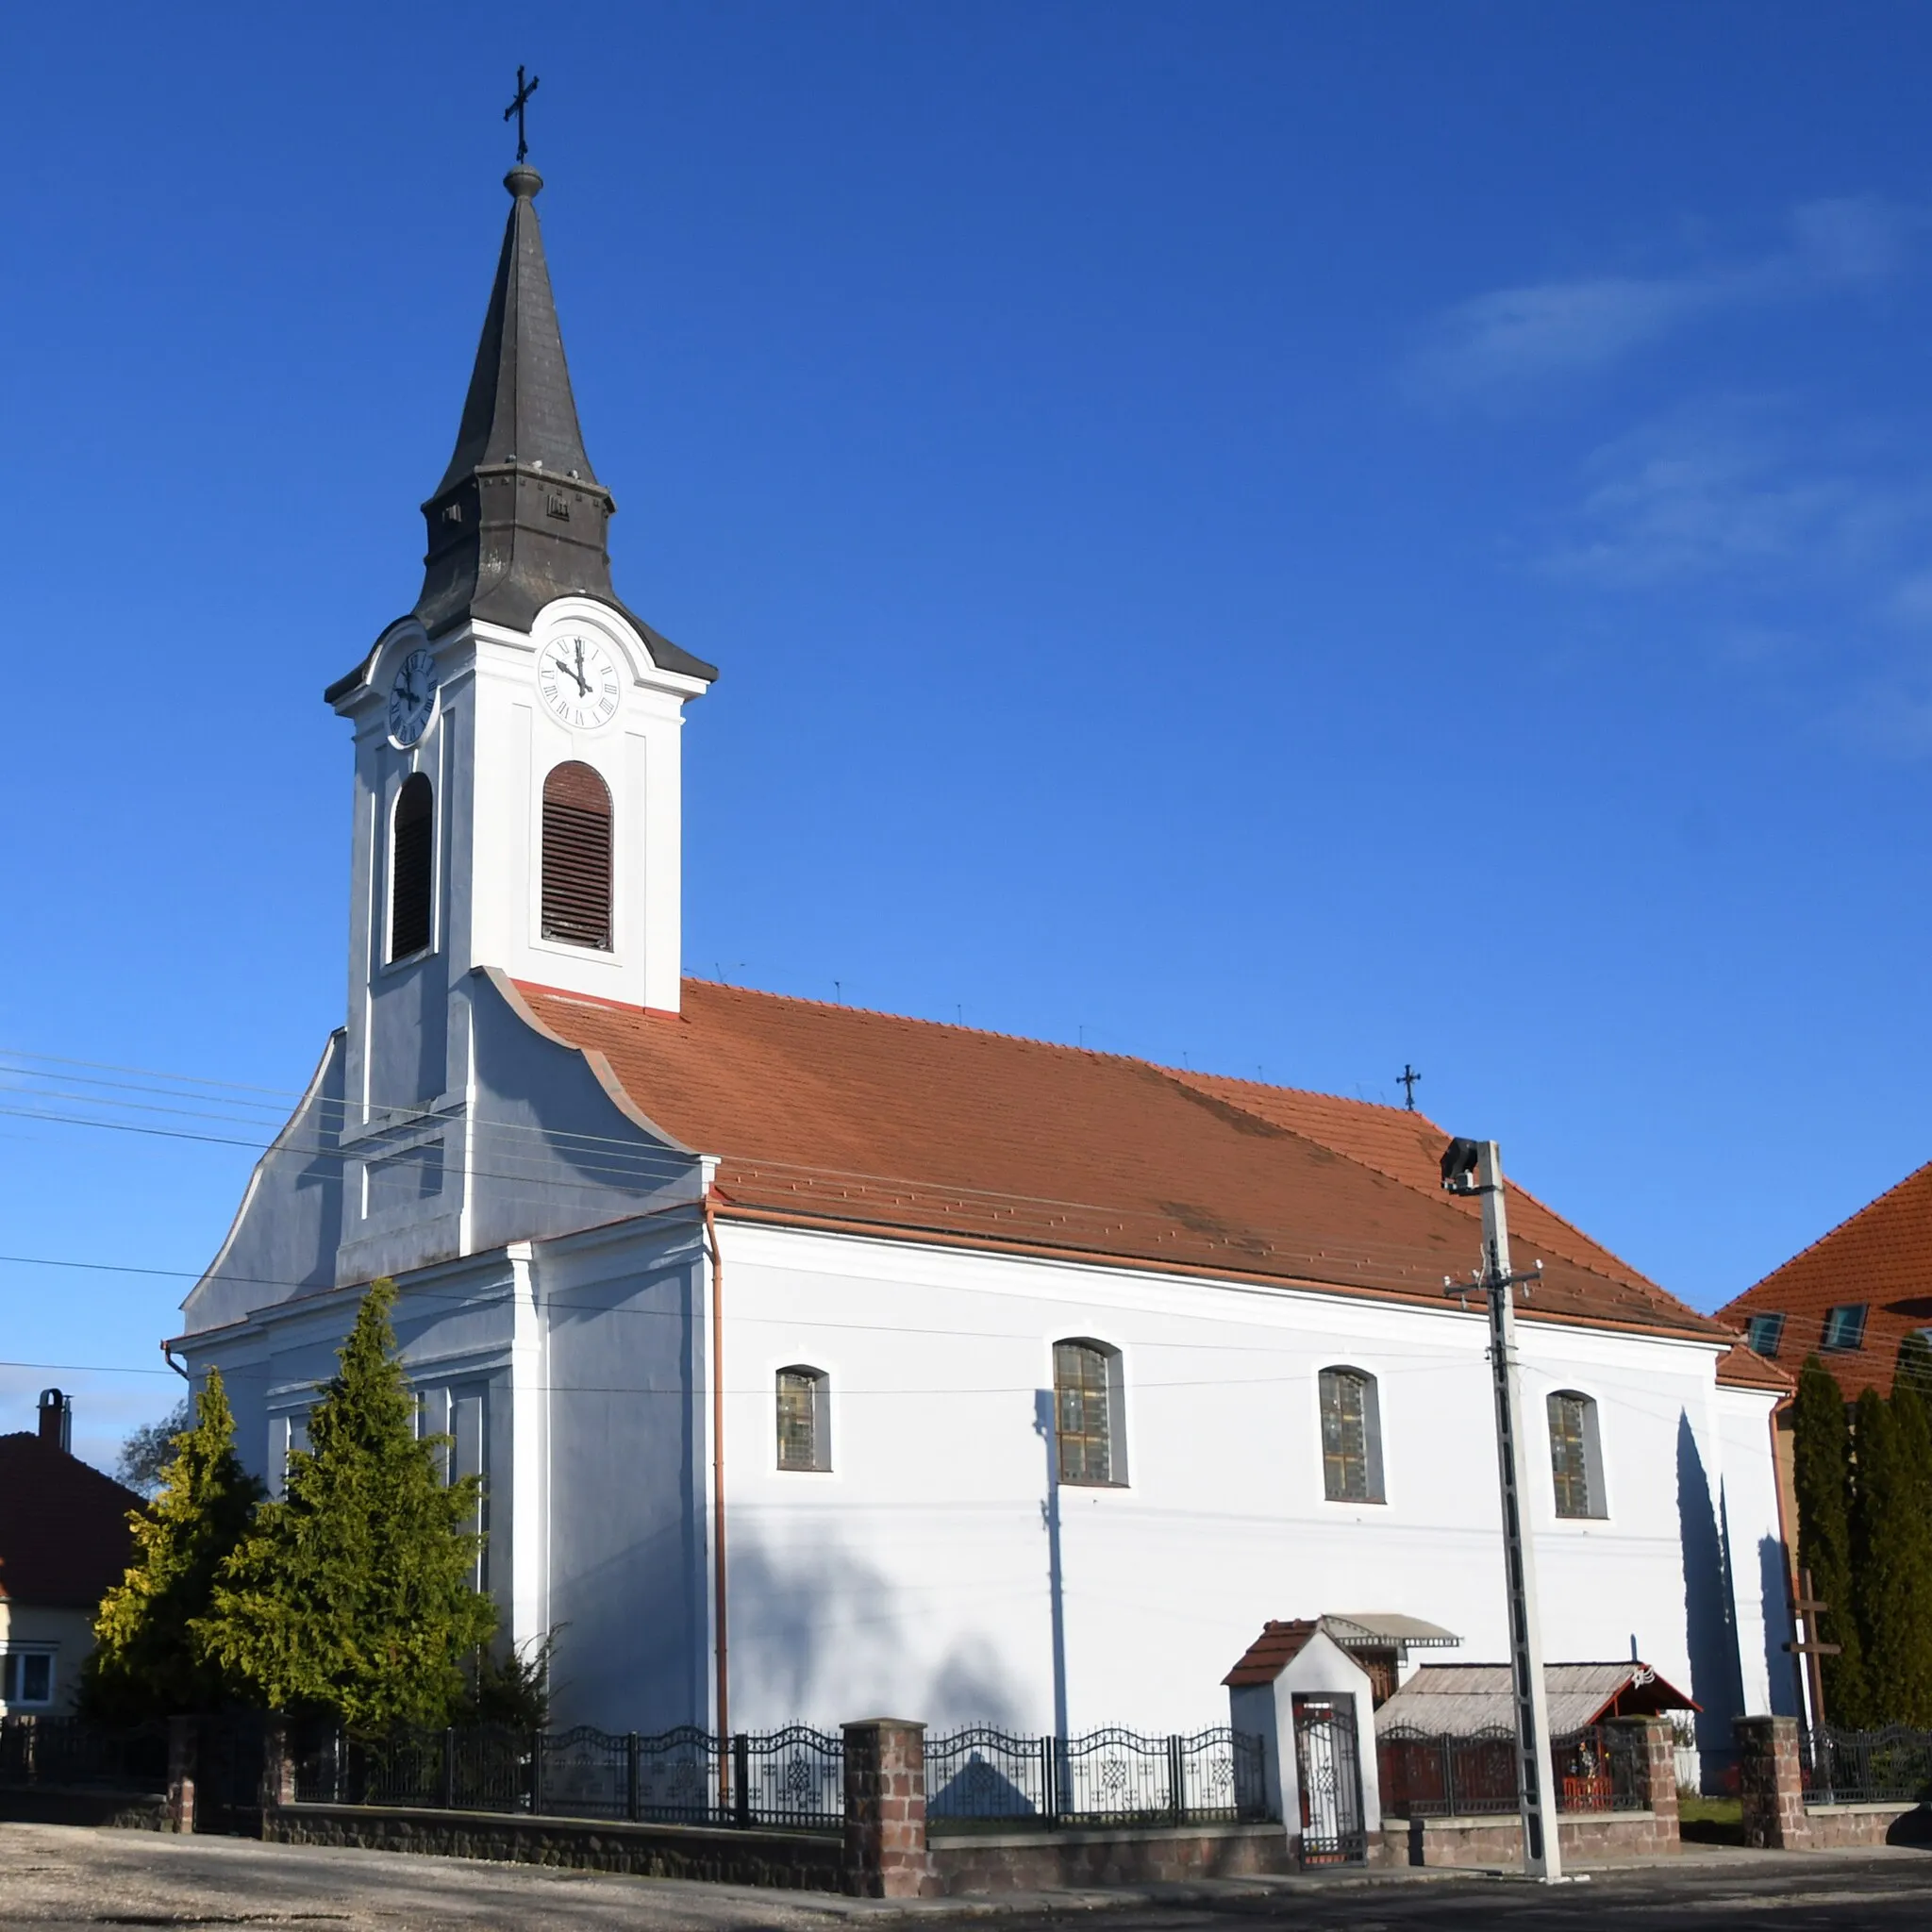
518, 790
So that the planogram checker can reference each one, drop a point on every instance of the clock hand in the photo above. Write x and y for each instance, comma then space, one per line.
564, 665
583, 682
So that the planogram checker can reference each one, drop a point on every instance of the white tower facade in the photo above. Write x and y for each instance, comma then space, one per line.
518, 784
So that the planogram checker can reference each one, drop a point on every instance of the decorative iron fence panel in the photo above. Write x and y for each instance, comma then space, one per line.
1105, 1776
1891, 1766
793, 1778
1602, 1768
76, 1752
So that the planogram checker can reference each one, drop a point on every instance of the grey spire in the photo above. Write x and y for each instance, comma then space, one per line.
519, 516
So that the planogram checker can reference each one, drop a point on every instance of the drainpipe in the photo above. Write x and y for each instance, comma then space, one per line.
168, 1356
1810, 1696
722, 1627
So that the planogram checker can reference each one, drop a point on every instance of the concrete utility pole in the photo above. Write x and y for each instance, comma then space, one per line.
1542, 1854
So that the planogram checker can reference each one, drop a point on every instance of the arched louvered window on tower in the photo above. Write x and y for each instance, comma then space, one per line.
412, 869
576, 858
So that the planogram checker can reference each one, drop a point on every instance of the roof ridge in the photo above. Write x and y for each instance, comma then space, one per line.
1094, 1053
1590, 1267
1877, 1202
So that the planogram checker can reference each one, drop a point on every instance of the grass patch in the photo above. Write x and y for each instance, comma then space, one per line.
1710, 1821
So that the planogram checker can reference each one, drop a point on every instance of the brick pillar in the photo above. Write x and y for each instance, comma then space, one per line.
277, 1764
1771, 1784
183, 1734
1659, 1772
885, 1810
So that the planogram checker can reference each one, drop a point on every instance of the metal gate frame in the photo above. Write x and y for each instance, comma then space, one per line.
1328, 1766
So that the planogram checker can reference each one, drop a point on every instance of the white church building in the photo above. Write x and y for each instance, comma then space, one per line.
835, 1362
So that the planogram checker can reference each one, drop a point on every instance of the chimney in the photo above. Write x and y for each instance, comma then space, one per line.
57, 1420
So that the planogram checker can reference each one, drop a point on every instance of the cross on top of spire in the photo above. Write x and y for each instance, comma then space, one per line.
525, 89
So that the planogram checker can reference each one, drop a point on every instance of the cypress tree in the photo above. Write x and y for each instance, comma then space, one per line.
145, 1662
353, 1595
1892, 1562
1822, 1453
1911, 1385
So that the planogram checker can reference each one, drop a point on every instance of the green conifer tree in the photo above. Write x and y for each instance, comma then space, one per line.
145, 1662
1892, 1562
1891, 1542
353, 1595
1822, 1453
1912, 1382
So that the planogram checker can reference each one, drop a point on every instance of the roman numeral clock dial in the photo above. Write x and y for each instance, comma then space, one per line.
412, 700
578, 679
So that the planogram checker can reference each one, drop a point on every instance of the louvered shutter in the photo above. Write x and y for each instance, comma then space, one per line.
412, 870
576, 858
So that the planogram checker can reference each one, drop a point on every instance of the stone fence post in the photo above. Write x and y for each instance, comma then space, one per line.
1657, 1773
183, 1734
1771, 1783
886, 1853
277, 1764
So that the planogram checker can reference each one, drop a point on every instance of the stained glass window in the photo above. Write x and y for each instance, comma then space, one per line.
802, 1419
1351, 1437
1084, 1416
1574, 1455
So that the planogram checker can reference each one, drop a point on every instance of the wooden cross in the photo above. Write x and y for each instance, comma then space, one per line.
1806, 1605
525, 89
1408, 1076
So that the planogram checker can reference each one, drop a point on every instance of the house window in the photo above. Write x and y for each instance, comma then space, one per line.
1764, 1332
805, 1434
1576, 1458
1089, 1442
1351, 1437
1844, 1327
27, 1679
412, 870
576, 858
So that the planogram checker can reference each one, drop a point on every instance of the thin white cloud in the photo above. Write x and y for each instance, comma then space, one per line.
1522, 338
1738, 489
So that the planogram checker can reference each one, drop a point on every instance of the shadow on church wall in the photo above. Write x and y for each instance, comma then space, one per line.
1774, 1584
820, 1634
1709, 1616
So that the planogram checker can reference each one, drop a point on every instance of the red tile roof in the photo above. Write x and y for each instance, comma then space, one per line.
836, 1117
1270, 1653
1882, 1259
1743, 1368
63, 1527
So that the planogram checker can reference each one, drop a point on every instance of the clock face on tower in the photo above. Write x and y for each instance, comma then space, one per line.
412, 699
578, 679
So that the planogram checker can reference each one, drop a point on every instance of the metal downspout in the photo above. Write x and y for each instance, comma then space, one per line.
722, 1633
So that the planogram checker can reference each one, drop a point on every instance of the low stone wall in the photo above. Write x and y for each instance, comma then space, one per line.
992, 1861
1496, 1840
61, 1805
791, 1860
1829, 1827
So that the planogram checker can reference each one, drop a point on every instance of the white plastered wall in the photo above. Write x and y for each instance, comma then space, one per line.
915, 1573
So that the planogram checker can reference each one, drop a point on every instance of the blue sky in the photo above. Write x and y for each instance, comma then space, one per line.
1279, 536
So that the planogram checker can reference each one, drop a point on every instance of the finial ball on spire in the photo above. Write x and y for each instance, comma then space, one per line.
524, 183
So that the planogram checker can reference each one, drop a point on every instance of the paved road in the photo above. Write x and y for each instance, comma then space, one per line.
52, 1876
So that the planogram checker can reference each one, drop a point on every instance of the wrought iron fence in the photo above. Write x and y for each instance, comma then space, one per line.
1601, 1768
76, 1752
790, 1778
1891, 1766
1110, 1776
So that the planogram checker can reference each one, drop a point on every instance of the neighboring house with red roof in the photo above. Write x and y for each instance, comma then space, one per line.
1854, 1297
911, 1366
64, 1542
